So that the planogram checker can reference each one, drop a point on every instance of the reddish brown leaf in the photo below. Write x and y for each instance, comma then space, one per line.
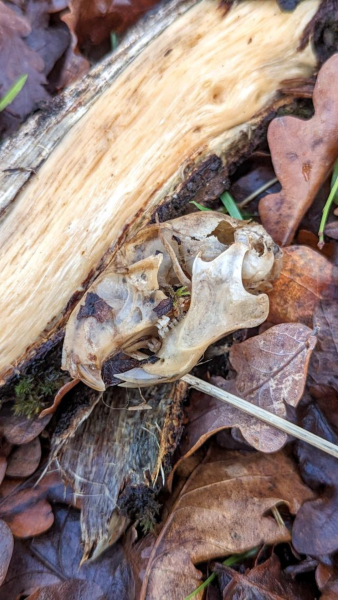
303, 153
54, 557
222, 509
271, 373
264, 582
94, 21
24, 505
16, 59
20, 430
305, 279
24, 460
327, 581
32, 521
6, 549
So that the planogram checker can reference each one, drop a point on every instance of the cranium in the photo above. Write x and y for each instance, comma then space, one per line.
224, 263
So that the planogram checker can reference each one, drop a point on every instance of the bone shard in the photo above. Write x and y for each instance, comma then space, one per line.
228, 262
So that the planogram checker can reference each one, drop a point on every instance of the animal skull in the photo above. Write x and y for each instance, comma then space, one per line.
224, 263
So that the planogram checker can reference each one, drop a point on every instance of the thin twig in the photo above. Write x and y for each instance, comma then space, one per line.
262, 415
256, 193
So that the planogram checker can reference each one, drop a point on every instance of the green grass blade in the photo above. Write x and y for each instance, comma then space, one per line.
199, 206
231, 206
114, 42
13, 92
333, 180
235, 558
325, 214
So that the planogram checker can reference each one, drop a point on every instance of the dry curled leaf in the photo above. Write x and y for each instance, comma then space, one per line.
271, 373
264, 582
305, 279
303, 154
53, 558
222, 509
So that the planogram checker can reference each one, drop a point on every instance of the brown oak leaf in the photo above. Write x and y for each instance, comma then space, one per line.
303, 154
271, 373
305, 279
222, 509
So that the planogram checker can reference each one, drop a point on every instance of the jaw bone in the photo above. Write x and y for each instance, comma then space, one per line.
219, 259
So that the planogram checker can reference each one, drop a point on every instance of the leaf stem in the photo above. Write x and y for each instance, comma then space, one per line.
325, 214
235, 558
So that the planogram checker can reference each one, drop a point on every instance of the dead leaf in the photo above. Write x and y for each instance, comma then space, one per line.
16, 59
315, 530
303, 154
327, 581
264, 582
24, 460
3, 466
222, 509
6, 546
93, 21
84, 590
271, 373
25, 504
54, 557
324, 362
20, 430
306, 278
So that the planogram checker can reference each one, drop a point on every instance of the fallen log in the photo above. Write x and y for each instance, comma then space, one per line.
163, 119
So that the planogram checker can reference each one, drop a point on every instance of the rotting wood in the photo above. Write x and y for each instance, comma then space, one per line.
185, 92
116, 450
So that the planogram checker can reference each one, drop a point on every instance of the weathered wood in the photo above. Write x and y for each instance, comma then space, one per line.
121, 447
180, 99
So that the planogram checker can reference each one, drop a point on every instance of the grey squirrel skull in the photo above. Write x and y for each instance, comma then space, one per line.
225, 266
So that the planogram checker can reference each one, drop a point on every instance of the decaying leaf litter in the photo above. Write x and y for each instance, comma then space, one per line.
269, 338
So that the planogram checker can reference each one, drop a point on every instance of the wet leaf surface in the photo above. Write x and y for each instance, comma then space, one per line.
271, 373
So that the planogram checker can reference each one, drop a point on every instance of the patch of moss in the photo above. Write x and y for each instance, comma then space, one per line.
31, 393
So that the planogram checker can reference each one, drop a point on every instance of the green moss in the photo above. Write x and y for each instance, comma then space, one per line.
31, 393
